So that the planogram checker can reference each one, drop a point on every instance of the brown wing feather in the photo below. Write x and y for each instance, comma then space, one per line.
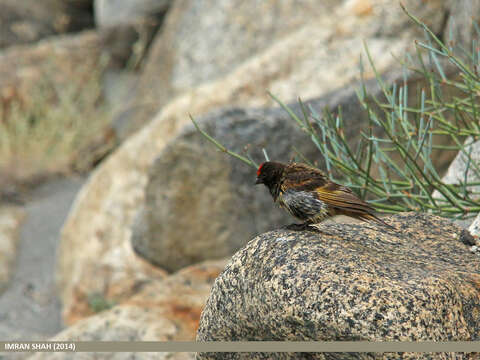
342, 197
348, 203
302, 177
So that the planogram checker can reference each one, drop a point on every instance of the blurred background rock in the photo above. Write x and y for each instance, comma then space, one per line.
109, 194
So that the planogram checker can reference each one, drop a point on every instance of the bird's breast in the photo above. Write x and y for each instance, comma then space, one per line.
302, 204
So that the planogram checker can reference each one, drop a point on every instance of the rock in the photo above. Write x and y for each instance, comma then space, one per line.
60, 61
363, 282
11, 218
164, 310
36, 78
474, 228
95, 241
307, 52
132, 273
458, 168
456, 175
460, 27
28, 21
116, 12
57, 59
81, 4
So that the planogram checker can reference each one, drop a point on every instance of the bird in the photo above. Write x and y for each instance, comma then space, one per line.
310, 196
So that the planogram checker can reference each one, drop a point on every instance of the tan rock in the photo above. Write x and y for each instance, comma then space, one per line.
130, 274
164, 310
57, 61
362, 282
303, 52
10, 220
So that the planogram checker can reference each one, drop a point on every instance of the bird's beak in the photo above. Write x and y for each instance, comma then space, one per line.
258, 181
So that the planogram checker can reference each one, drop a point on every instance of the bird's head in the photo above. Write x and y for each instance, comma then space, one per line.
269, 173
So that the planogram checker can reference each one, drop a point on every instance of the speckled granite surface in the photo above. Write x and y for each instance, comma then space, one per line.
360, 282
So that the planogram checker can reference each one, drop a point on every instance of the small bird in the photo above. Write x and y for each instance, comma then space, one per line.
307, 194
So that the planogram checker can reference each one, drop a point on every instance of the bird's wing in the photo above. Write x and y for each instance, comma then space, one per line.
343, 198
301, 177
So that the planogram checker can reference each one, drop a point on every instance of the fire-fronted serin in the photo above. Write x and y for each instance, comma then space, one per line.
310, 196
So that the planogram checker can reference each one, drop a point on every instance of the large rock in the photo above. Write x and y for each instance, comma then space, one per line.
116, 12
11, 218
61, 61
167, 310
57, 60
358, 282
292, 48
28, 21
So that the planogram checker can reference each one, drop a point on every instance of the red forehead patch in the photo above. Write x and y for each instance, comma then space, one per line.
260, 169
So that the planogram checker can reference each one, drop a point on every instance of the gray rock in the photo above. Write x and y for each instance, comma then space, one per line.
361, 282
116, 12
457, 174
202, 204
29, 307
460, 24
27, 21
458, 168
474, 228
